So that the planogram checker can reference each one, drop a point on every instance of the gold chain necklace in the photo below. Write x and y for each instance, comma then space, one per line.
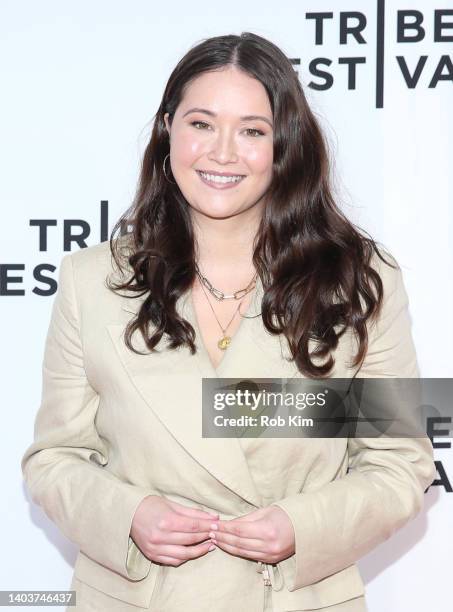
219, 295
225, 341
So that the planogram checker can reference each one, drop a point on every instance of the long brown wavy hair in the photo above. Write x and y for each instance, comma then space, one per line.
314, 264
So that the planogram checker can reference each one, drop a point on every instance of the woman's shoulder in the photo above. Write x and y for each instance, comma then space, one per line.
395, 299
387, 267
90, 269
98, 260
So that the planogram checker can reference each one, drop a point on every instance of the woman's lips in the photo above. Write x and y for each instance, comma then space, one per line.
219, 185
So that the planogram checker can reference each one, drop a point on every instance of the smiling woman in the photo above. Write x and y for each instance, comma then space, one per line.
231, 150
233, 228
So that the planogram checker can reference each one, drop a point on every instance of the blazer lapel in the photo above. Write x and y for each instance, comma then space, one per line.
170, 382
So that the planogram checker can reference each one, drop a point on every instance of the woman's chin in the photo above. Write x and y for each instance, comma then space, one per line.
216, 210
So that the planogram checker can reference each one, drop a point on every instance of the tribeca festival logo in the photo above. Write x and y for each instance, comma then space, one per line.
73, 233
409, 28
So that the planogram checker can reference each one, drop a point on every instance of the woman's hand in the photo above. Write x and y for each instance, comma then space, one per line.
170, 533
265, 535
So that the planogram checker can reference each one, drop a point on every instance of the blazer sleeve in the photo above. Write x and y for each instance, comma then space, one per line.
65, 468
387, 477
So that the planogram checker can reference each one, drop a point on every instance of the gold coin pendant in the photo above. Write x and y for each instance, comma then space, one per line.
224, 343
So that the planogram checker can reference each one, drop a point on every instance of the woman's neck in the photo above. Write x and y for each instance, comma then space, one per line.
224, 249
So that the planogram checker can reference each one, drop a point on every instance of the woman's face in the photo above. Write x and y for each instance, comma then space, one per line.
220, 138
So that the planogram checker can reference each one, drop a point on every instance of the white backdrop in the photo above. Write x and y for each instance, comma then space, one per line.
80, 84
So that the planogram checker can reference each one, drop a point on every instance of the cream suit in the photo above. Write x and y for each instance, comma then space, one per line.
115, 426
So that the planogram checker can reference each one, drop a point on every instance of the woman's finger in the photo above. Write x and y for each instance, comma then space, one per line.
255, 544
187, 524
247, 554
183, 539
187, 511
167, 560
181, 553
246, 529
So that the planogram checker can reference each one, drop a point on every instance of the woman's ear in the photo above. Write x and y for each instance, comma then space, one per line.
167, 125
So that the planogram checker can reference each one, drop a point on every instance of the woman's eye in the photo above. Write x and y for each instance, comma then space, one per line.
194, 123
259, 132
254, 131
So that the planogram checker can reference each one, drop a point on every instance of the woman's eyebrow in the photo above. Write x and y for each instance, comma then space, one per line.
245, 118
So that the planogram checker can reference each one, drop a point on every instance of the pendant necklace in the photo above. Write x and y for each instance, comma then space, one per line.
225, 341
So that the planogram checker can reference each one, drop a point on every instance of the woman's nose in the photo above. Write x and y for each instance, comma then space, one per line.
224, 147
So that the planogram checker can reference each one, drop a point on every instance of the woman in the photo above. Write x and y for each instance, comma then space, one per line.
233, 202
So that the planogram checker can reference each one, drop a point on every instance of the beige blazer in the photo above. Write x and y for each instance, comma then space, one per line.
114, 427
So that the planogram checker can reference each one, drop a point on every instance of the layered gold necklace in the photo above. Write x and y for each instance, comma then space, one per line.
225, 341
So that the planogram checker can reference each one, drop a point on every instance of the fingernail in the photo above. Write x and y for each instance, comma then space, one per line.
214, 526
211, 548
212, 535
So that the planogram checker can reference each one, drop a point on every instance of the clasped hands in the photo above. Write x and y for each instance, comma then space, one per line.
265, 535
171, 533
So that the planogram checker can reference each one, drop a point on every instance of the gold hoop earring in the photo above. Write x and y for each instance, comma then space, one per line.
163, 167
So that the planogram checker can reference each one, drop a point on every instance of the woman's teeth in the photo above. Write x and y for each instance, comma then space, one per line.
220, 179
